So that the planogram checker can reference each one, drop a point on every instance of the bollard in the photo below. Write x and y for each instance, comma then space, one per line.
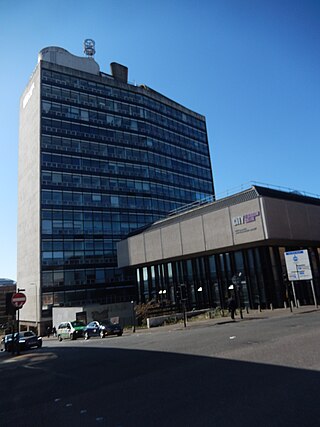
259, 308
271, 306
247, 309
298, 303
285, 305
291, 305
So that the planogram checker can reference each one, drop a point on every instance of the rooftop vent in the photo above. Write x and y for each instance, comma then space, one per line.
119, 72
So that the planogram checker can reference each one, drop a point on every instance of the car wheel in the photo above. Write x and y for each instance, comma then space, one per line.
39, 344
119, 334
60, 338
102, 334
86, 336
72, 336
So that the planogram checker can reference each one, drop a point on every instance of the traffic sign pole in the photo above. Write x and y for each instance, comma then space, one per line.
313, 293
294, 294
18, 299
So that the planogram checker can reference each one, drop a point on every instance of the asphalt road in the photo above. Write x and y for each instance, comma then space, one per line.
261, 371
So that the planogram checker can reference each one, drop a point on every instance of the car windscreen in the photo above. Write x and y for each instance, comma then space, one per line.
76, 324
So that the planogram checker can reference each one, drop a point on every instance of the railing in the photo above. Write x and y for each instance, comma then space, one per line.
238, 189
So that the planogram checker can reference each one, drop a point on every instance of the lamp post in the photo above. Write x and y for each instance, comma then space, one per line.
18, 326
133, 317
200, 296
161, 293
36, 299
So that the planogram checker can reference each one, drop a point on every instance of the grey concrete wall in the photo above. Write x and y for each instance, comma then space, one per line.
64, 314
60, 56
287, 219
250, 222
192, 235
219, 229
28, 233
94, 312
171, 243
136, 250
152, 242
246, 222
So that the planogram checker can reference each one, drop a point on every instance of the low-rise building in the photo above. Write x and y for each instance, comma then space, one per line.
7, 286
238, 240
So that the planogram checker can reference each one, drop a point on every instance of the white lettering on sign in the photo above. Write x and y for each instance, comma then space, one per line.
245, 219
27, 96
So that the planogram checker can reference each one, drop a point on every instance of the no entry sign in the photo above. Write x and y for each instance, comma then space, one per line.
18, 299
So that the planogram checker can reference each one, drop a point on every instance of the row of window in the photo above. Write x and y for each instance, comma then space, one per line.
61, 179
125, 154
113, 92
54, 259
72, 277
125, 141
76, 246
116, 169
74, 228
74, 198
85, 215
74, 111
107, 132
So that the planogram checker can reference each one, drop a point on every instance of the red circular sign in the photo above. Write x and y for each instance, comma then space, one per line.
18, 299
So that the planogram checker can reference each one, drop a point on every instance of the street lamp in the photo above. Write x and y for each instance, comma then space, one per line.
161, 293
133, 313
36, 298
200, 295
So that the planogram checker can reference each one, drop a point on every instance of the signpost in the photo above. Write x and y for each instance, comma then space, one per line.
298, 268
17, 300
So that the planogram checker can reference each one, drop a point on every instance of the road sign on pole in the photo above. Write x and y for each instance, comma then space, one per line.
298, 268
18, 299
298, 265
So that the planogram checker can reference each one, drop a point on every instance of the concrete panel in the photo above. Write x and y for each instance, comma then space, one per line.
171, 241
298, 221
28, 233
123, 255
152, 241
276, 217
314, 223
192, 236
136, 249
217, 230
60, 56
246, 222
287, 219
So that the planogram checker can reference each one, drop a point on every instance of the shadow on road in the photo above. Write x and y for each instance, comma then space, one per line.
131, 388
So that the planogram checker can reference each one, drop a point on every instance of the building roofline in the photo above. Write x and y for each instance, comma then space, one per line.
254, 192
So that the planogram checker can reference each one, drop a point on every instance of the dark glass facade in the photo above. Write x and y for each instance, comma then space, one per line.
208, 279
114, 157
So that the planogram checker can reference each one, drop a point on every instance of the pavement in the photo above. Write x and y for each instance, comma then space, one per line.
196, 322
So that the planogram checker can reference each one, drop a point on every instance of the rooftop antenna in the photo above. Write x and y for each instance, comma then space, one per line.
89, 47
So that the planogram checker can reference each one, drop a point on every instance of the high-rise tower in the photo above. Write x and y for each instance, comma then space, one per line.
98, 158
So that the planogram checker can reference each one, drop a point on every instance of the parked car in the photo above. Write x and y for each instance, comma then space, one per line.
102, 329
70, 330
27, 340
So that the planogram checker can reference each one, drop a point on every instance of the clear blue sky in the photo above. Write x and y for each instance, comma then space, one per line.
252, 67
